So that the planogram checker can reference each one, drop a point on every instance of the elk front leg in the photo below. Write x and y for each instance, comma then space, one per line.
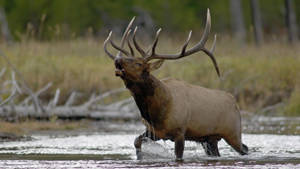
140, 139
179, 147
138, 146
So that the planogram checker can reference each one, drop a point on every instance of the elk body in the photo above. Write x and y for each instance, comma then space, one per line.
173, 109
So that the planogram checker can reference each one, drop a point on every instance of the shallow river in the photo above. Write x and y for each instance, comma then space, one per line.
272, 142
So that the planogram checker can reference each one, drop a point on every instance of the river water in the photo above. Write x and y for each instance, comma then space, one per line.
272, 142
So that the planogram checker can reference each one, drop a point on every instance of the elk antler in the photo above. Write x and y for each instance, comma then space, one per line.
120, 49
105, 46
200, 46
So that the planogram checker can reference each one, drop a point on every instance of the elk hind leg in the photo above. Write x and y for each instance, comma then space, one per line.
210, 147
179, 147
206, 148
237, 145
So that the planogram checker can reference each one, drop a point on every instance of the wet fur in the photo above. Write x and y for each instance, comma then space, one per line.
177, 111
156, 113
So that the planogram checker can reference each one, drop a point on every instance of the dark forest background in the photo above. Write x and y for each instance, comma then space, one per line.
48, 19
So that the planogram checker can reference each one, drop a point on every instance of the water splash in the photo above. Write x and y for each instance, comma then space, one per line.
114, 148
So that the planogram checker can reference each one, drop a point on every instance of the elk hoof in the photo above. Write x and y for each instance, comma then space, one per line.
179, 160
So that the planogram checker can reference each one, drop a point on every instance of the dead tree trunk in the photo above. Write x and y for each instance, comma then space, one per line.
290, 19
4, 27
257, 23
237, 20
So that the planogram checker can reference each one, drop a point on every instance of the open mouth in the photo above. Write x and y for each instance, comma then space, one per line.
119, 72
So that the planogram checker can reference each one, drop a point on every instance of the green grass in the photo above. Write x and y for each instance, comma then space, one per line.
293, 108
258, 77
29, 126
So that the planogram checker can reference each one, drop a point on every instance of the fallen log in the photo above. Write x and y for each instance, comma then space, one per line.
112, 112
33, 107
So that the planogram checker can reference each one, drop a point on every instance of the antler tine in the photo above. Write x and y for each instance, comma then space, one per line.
155, 40
138, 48
198, 47
105, 46
186, 43
129, 45
153, 54
209, 53
204, 36
213, 47
153, 47
125, 35
119, 49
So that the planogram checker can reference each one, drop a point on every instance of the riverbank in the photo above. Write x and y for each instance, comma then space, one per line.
264, 80
21, 129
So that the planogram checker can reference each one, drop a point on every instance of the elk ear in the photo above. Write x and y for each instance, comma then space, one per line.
155, 65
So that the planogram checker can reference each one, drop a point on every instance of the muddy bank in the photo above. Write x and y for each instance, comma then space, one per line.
7, 137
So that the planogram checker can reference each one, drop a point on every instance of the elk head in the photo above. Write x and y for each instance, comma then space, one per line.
136, 69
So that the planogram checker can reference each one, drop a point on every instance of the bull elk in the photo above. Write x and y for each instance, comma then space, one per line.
173, 109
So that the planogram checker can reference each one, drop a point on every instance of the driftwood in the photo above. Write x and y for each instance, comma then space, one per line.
123, 109
33, 107
74, 112
37, 105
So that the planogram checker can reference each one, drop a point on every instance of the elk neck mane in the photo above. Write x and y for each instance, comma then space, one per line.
150, 95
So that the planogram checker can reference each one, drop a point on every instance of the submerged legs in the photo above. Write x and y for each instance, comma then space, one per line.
235, 142
210, 145
179, 147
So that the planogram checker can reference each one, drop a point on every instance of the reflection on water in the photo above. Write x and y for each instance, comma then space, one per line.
112, 146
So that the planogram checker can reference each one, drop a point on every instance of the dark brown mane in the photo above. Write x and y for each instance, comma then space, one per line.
143, 94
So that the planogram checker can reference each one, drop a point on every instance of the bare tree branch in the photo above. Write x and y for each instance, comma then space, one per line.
71, 99
38, 107
95, 99
39, 92
120, 110
118, 105
12, 95
15, 83
55, 99
14, 90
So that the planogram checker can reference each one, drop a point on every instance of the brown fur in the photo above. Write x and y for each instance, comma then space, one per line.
194, 110
173, 109
179, 111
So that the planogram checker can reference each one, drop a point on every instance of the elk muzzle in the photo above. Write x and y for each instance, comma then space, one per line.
119, 70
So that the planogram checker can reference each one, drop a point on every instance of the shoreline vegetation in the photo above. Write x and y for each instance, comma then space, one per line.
22, 130
264, 80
